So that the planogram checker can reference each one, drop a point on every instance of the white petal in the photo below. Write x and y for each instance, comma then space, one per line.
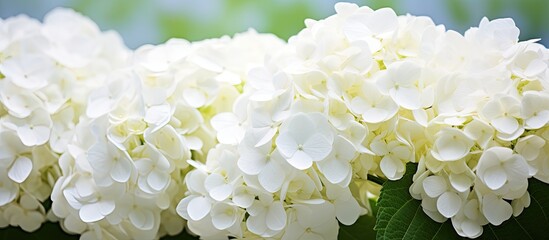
182, 207
194, 97
223, 216
271, 177
348, 211
471, 229
157, 179
98, 103
242, 198
537, 121
460, 182
198, 208
434, 186
317, 147
74, 224
8, 192
221, 192
251, 161
20, 169
391, 167
121, 170
286, 145
231, 135
535, 67
495, 209
293, 231
377, 115
300, 127
409, 98
276, 216
507, 125
451, 147
213, 180
334, 170
345, 150
105, 207
158, 115
99, 157
142, 219
448, 204
26, 134
382, 20
495, 177
300, 160
224, 120
256, 224
31, 221
90, 213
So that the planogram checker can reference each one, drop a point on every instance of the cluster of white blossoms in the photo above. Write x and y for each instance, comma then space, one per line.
359, 94
46, 73
251, 137
123, 173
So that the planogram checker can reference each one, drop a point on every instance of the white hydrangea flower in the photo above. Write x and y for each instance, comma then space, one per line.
124, 169
284, 137
47, 71
304, 139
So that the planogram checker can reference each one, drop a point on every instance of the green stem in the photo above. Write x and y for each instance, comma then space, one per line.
376, 179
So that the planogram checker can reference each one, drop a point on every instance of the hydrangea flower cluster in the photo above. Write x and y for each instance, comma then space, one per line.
360, 94
251, 137
123, 173
46, 73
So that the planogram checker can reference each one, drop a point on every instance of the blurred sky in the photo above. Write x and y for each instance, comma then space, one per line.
146, 21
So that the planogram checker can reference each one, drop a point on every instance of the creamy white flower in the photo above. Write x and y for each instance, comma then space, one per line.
502, 113
469, 221
499, 168
394, 157
28, 71
346, 206
451, 144
535, 109
109, 163
336, 167
305, 138
229, 128
312, 221
402, 81
373, 106
267, 216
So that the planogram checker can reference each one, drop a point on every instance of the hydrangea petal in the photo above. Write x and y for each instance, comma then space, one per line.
347, 211
495, 209
334, 170
157, 179
434, 186
448, 204
276, 216
300, 160
271, 177
507, 125
317, 147
142, 219
223, 216
198, 208
20, 169
495, 177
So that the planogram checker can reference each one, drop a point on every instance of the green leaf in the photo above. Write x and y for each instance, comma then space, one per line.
48, 230
401, 217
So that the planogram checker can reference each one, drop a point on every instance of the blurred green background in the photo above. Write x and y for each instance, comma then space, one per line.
144, 21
